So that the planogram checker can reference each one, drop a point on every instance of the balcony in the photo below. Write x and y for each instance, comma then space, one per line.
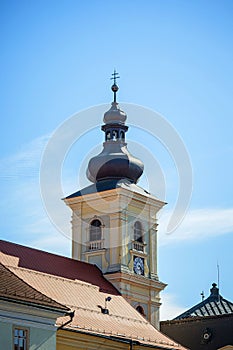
139, 246
95, 245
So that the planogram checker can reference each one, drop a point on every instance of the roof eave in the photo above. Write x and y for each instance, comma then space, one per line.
61, 310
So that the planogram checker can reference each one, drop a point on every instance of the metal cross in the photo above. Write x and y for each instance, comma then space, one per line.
115, 76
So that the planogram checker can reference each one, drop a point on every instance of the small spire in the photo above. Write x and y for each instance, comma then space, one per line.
214, 291
115, 88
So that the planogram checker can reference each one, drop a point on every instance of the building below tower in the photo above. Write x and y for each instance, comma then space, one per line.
207, 325
57, 303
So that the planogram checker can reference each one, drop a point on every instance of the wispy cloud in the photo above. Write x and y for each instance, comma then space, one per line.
24, 164
198, 224
19, 179
53, 242
169, 308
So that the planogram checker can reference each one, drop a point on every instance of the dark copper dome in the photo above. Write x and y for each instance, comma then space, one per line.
115, 161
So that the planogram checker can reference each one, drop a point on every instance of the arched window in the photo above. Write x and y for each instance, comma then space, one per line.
122, 135
140, 309
138, 232
115, 135
95, 230
108, 136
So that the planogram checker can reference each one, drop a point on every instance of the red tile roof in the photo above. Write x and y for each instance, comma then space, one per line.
83, 298
57, 265
13, 288
83, 289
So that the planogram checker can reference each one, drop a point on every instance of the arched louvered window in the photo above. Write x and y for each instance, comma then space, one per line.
115, 135
138, 232
95, 230
140, 309
108, 136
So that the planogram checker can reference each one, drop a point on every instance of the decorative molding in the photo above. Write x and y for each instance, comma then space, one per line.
146, 268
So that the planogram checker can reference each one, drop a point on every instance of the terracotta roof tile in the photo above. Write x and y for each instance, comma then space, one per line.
140, 330
123, 320
83, 295
15, 289
56, 265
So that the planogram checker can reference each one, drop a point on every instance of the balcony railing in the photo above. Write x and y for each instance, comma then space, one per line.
138, 246
95, 245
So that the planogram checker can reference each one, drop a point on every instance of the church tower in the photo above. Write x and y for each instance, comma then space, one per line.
114, 221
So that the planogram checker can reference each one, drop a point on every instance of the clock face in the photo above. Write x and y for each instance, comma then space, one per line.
138, 266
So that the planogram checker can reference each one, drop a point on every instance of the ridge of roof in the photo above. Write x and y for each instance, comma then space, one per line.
214, 305
57, 265
14, 288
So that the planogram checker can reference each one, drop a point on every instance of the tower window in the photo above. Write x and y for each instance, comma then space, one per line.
96, 241
138, 237
114, 135
122, 135
108, 136
140, 309
138, 232
95, 230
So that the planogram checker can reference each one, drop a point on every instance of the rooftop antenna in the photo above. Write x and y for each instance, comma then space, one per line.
218, 273
106, 300
104, 309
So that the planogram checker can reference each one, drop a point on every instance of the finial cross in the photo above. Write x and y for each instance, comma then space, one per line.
115, 76
115, 88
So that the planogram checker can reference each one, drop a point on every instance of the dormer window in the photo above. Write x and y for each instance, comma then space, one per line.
95, 231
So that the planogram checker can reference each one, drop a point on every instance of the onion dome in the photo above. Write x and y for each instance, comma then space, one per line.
115, 161
115, 115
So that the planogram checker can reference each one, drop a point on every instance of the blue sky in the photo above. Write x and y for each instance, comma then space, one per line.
174, 57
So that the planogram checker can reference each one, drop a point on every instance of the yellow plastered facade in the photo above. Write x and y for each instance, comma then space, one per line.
70, 340
118, 209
